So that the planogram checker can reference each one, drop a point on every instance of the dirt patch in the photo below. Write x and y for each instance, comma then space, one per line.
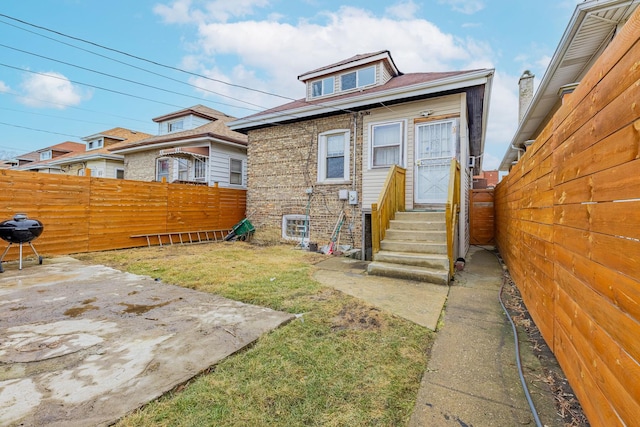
354, 316
567, 404
141, 308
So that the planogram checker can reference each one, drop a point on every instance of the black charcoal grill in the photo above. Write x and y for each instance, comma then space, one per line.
20, 230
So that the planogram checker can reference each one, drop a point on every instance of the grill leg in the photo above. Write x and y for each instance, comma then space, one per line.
2, 257
36, 252
20, 268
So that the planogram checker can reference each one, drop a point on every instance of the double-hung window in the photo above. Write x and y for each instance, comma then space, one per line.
235, 171
322, 87
387, 142
200, 169
333, 156
162, 169
176, 126
183, 169
358, 78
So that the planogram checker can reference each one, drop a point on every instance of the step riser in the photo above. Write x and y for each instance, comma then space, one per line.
420, 216
409, 274
418, 260
417, 225
417, 236
413, 247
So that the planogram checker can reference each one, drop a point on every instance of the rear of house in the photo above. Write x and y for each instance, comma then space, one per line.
319, 164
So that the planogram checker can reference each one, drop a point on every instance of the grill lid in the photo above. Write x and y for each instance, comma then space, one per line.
20, 229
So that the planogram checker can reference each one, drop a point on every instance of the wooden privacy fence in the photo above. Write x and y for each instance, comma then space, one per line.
568, 228
481, 217
84, 214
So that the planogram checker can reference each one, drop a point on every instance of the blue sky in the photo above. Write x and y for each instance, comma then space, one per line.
250, 44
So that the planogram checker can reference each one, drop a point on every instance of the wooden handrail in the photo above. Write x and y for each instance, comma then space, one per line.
452, 210
390, 201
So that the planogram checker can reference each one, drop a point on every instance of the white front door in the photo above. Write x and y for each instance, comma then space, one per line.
435, 147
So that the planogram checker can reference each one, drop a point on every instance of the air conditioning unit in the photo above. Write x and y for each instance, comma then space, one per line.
472, 162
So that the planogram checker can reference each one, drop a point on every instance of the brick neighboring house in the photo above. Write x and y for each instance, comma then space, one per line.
486, 179
333, 149
193, 145
92, 156
39, 160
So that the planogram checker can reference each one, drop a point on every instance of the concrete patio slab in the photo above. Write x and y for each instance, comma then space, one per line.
419, 302
86, 344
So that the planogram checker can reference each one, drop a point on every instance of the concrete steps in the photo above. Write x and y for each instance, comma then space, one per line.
415, 248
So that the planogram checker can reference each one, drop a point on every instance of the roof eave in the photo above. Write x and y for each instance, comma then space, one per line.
442, 85
581, 12
210, 138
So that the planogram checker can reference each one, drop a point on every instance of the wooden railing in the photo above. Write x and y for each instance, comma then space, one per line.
452, 210
391, 200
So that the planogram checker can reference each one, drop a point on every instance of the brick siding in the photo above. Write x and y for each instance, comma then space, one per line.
283, 163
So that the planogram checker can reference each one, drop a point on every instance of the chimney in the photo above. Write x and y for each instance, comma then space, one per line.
525, 94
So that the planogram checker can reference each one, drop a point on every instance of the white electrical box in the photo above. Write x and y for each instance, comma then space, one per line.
353, 197
343, 194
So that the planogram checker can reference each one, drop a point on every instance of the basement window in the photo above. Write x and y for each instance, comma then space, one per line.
295, 227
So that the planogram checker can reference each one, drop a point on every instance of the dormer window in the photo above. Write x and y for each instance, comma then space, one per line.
95, 144
45, 155
358, 78
175, 126
322, 87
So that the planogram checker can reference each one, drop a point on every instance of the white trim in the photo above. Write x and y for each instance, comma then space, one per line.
403, 142
380, 57
481, 77
180, 142
322, 155
241, 171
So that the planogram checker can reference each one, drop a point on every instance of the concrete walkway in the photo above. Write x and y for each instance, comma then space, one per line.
471, 379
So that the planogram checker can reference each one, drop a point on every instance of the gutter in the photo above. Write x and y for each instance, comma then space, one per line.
193, 139
311, 110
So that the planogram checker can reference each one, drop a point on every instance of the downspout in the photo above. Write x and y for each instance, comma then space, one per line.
354, 181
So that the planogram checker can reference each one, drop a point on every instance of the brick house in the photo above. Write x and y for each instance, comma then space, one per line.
332, 151
193, 145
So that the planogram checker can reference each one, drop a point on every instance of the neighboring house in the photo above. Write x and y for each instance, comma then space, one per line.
312, 158
193, 145
40, 160
96, 158
587, 35
486, 179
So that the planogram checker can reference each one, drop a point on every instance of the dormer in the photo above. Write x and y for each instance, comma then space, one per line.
187, 119
99, 140
351, 75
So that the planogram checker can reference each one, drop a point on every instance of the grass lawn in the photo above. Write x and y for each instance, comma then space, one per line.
341, 363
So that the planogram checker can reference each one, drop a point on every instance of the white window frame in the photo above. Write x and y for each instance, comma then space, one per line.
45, 155
95, 144
200, 169
158, 176
359, 84
322, 156
116, 173
305, 220
182, 168
327, 86
173, 124
402, 144
231, 172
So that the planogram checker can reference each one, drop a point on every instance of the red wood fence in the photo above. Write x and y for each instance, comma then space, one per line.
568, 228
481, 217
84, 214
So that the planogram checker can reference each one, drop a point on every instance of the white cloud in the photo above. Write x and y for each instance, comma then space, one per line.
51, 89
4, 87
503, 115
184, 11
403, 10
467, 7
269, 55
